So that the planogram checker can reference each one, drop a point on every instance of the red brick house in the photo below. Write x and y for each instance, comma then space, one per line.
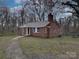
48, 28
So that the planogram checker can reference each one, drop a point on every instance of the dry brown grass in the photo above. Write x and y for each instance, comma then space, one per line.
53, 46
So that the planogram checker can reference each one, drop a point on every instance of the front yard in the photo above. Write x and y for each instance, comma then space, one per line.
64, 47
42, 48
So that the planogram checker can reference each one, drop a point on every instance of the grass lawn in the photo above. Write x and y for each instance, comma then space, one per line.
63, 45
3, 42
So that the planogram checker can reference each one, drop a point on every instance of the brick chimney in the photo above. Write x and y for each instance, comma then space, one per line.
50, 17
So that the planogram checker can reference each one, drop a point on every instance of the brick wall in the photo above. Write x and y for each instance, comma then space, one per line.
55, 30
41, 33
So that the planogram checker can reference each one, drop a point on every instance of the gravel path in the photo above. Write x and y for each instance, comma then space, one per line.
13, 50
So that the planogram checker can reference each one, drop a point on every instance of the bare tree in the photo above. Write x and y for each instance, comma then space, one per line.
75, 6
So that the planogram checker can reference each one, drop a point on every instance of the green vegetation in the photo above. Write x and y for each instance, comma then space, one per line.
7, 34
32, 45
3, 42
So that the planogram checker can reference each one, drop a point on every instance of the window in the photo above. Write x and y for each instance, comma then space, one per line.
35, 30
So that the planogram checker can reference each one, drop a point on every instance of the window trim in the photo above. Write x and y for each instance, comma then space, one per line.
35, 30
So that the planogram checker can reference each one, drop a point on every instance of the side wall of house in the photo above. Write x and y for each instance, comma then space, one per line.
19, 31
55, 30
22, 31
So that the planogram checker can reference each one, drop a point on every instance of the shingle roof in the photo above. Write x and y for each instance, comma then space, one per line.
36, 24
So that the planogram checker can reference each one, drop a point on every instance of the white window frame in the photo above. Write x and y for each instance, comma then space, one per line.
35, 30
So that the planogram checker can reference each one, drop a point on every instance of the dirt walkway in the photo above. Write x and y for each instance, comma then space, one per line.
13, 50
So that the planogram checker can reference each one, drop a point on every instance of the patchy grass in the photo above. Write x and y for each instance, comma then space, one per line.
32, 45
7, 34
3, 42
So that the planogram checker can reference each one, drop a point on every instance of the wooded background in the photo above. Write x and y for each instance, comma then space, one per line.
37, 10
